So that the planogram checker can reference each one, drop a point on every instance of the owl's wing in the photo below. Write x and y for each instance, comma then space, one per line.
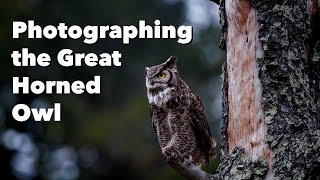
152, 110
200, 125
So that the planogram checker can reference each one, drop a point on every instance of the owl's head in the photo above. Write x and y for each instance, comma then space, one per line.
161, 80
162, 75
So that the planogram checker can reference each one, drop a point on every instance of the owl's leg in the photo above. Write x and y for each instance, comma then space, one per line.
171, 152
188, 160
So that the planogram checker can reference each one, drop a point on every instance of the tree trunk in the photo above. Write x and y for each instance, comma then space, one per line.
271, 92
271, 104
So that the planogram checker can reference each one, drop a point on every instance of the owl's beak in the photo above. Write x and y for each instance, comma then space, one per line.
146, 70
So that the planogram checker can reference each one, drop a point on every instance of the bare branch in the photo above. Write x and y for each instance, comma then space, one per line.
188, 169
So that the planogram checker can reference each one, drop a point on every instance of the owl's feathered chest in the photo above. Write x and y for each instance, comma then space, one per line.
160, 96
172, 113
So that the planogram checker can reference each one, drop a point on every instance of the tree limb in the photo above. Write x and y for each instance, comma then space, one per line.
188, 169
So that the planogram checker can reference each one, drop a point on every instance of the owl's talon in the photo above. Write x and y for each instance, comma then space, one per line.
188, 160
171, 153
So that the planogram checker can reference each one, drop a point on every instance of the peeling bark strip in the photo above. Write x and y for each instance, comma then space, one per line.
246, 127
313, 13
244, 154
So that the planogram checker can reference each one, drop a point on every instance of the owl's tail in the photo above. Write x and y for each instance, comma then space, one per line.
212, 152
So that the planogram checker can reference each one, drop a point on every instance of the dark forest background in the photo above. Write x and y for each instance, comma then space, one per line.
106, 136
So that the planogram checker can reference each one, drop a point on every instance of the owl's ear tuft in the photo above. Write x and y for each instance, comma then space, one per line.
171, 62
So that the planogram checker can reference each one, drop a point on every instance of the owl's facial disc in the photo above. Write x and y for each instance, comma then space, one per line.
160, 79
159, 91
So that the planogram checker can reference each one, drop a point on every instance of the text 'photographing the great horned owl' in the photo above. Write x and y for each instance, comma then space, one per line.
67, 58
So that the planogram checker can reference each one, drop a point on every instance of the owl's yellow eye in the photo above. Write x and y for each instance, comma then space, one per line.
161, 75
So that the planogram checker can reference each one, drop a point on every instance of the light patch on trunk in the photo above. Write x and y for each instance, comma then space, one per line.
246, 127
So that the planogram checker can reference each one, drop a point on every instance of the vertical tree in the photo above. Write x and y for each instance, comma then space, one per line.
271, 92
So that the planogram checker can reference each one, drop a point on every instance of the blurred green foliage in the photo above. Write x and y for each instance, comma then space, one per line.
106, 136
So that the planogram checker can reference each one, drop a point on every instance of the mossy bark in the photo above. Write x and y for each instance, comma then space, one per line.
289, 72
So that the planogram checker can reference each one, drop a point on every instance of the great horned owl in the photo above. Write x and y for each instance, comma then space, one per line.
178, 115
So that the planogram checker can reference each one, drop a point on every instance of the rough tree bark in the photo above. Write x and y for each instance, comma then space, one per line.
271, 91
